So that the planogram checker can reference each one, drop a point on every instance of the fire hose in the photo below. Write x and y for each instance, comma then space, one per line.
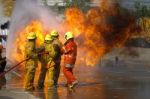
5, 72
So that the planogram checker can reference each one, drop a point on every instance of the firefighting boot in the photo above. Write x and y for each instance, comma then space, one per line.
29, 89
40, 87
73, 85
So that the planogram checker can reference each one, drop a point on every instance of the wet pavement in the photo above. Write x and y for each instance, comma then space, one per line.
108, 80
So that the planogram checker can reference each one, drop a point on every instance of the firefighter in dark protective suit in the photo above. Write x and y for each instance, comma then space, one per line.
2, 67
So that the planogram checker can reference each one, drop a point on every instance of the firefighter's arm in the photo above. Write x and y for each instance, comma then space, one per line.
31, 54
56, 47
66, 49
40, 49
50, 63
35, 56
57, 50
62, 50
28, 51
60, 45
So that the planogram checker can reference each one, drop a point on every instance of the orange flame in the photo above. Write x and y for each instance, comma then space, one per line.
18, 51
99, 30
96, 32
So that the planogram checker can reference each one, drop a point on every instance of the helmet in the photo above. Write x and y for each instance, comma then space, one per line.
31, 36
69, 35
54, 33
48, 37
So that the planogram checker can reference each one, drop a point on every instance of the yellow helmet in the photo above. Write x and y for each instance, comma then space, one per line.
54, 33
31, 36
69, 35
48, 37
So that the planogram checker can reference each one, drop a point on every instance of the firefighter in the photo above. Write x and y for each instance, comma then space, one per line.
57, 60
70, 52
47, 63
2, 60
31, 63
2, 67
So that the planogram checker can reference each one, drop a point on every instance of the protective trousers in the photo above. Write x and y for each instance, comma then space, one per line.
50, 77
47, 75
57, 72
30, 73
42, 76
68, 72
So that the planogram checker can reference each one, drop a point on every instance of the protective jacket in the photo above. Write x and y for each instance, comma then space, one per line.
58, 45
30, 52
70, 52
50, 53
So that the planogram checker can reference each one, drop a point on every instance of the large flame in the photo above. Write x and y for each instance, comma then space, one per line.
18, 51
99, 30
96, 32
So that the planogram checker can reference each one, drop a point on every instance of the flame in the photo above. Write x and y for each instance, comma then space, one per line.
99, 30
96, 32
18, 51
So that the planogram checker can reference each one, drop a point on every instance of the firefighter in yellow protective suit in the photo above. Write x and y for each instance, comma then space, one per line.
57, 60
47, 63
31, 63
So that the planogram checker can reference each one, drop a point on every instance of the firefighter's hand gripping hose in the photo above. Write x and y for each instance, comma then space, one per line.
5, 72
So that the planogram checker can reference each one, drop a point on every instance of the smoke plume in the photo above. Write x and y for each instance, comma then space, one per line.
24, 12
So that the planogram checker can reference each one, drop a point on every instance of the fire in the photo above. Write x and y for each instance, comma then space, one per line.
96, 32
34, 26
88, 38
99, 30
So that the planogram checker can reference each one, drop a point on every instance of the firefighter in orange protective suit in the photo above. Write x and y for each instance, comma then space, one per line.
70, 52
